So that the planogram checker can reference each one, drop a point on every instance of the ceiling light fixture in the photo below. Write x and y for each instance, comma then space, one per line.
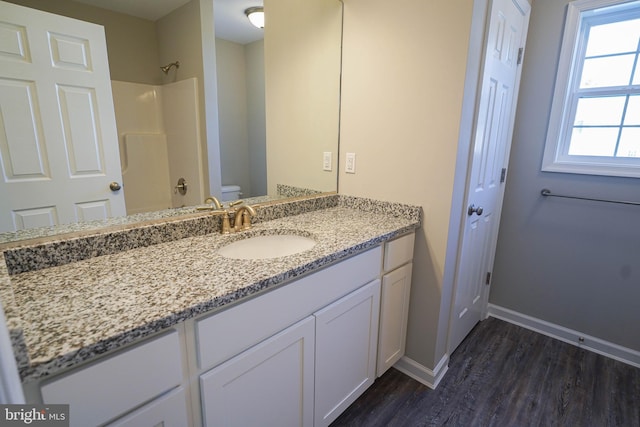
256, 16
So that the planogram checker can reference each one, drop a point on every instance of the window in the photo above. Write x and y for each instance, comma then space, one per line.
595, 116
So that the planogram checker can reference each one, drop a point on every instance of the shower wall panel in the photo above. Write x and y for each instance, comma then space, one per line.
159, 143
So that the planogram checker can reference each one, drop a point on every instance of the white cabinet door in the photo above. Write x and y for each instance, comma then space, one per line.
169, 410
394, 312
270, 384
346, 341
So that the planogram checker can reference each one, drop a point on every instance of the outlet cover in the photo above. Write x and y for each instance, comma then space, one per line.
350, 166
326, 161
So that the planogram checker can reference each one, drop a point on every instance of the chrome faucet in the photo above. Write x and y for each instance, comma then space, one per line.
243, 218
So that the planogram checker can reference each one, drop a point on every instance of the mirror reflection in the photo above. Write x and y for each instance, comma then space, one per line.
241, 100
216, 124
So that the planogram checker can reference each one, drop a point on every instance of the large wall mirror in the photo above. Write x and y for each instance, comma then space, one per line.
245, 111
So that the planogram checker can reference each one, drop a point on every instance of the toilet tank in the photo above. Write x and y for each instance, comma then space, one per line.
231, 192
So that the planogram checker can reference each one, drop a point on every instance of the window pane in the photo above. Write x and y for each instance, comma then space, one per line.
629, 143
607, 71
618, 37
594, 127
600, 111
632, 116
593, 141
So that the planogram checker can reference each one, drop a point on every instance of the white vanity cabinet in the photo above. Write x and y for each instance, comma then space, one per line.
296, 355
285, 375
146, 376
394, 306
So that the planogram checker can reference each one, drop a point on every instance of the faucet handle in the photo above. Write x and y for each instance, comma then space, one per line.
246, 220
214, 201
226, 224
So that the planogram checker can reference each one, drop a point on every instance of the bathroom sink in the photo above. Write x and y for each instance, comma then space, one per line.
265, 247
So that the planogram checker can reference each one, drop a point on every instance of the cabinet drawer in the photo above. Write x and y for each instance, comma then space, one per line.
169, 410
111, 387
227, 333
398, 251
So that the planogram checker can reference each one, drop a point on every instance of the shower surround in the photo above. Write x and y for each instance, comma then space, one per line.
159, 141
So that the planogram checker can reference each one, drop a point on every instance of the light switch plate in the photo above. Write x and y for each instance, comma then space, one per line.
326, 161
350, 166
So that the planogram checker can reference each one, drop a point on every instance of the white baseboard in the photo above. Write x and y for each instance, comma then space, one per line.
422, 374
597, 345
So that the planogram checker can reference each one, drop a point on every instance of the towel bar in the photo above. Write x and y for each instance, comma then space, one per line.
547, 193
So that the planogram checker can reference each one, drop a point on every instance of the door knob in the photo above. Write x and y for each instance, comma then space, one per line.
114, 186
473, 209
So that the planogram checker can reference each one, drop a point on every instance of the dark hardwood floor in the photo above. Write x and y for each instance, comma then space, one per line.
505, 375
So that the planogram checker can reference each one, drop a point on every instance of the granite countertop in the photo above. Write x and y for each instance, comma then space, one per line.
70, 313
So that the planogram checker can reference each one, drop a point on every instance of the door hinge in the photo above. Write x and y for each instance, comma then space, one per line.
488, 281
503, 175
520, 53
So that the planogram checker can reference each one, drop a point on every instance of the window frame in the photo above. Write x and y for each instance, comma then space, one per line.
563, 109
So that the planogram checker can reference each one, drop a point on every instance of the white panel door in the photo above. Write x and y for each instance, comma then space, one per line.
346, 346
492, 141
58, 139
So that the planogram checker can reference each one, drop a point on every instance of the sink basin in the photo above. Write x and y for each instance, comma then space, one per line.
265, 247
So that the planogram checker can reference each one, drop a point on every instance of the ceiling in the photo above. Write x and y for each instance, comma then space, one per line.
230, 21
146, 9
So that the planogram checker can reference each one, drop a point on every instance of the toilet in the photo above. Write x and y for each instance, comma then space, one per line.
230, 192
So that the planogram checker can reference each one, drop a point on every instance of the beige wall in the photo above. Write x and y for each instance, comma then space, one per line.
254, 57
180, 39
241, 115
404, 65
131, 42
233, 114
302, 71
